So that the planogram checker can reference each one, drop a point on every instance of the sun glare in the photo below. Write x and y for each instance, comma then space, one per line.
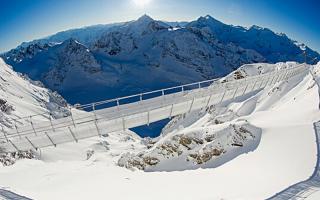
141, 3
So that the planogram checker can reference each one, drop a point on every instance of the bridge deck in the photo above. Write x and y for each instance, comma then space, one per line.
136, 110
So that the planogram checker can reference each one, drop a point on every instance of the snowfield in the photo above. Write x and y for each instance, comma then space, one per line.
281, 153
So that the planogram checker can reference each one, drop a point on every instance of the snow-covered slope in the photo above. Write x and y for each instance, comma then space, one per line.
20, 97
282, 152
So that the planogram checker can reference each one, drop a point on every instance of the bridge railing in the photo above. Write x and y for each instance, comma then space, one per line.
216, 90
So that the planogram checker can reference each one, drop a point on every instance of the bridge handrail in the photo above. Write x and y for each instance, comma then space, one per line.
154, 91
163, 93
182, 87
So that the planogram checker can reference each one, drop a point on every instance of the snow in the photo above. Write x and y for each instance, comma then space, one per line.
314, 196
286, 154
25, 98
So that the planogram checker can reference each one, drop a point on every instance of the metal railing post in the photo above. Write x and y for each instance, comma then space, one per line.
254, 85
36, 148
235, 93
73, 135
225, 91
14, 146
96, 119
191, 104
4, 133
208, 101
74, 124
15, 125
271, 81
277, 79
245, 89
123, 124
118, 104
170, 115
51, 123
50, 139
148, 123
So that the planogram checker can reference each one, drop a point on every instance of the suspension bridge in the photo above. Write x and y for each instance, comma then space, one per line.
119, 114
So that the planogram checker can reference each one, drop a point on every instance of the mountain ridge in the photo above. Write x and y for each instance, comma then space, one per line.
114, 61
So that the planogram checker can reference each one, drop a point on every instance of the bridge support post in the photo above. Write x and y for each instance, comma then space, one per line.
33, 146
260, 86
123, 124
245, 89
280, 77
148, 123
118, 104
254, 85
96, 119
191, 105
225, 91
96, 125
235, 92
51, 122
170, 115
73, 135
50, 139
286, 75
34, 130
14, 146
16, 127
276, 80
5, 134
74, 124
271, 81
208, 101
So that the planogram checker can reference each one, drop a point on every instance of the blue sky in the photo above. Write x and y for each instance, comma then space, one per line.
25, 20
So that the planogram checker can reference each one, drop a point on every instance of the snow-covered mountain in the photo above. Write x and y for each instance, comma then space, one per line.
122, 55
275, 47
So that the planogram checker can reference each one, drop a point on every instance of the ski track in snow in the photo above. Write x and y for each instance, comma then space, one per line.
8, 195
304, 189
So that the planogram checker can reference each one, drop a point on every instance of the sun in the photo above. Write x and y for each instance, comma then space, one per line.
141, 3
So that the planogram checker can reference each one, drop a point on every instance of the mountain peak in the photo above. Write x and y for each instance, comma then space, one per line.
206, 21
71, 42
208, 18
145, 18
